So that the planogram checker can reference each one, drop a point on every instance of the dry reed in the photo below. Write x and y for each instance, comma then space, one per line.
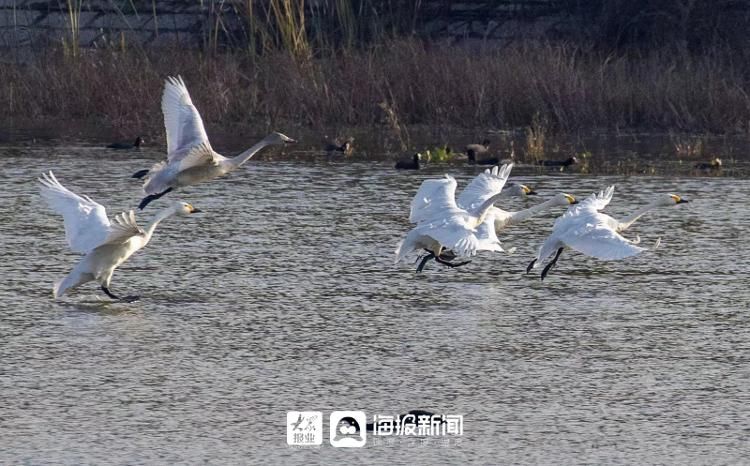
561, 86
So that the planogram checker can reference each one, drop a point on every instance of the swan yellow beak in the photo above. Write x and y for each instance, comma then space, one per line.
678, 199
571, 199
527, 191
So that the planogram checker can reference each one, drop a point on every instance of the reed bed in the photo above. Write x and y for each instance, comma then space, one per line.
557, 88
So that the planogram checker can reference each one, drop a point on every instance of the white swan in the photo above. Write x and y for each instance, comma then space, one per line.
586, 230
426, 192
190, 158
105, 244
517, 189
442, 224
482, 187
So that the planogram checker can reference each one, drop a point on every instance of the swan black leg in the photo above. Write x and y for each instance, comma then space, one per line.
450, 264
109, 293
126, 299
423, 261
446, 258
140, 174
447, 255
551, 264
152, 197
531, 266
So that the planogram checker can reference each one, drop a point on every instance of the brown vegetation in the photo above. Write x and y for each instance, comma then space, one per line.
510, 87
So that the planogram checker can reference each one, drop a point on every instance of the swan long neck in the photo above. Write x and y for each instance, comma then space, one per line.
625, 223
532, 211
482, 210
248, 154
166, 213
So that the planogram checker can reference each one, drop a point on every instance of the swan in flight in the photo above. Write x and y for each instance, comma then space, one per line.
481, 188
586, 230
443, 224
105, 244
488, 182
190, 158
517, 190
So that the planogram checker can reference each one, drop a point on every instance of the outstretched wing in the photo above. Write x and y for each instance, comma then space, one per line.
487, 236
181, 119
452, 233
428, 192
599, 241
434, 198
589, 206
123, 227
86, 223
199, 155
484, 186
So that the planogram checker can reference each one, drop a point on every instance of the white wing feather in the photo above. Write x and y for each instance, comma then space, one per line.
124, 227
201, 154
428, 191
589, 206
181, 119
600, 241
452, 233
487, 236
484, 186
434, 199
86, 223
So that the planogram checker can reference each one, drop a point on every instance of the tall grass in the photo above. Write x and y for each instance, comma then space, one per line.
536, 134
561, 86
73, 44
289, 17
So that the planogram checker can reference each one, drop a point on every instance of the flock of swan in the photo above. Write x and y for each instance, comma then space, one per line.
190, 160
447, 229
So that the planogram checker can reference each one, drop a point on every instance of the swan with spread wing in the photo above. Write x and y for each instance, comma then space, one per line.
105, 244
486, 183
190, 158
590, 232
444, 225
481, 188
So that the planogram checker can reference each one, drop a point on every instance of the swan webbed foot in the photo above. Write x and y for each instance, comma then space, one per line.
125, 299
444, 258
152, 197
450, 264
140, 174
530, 266
551, 264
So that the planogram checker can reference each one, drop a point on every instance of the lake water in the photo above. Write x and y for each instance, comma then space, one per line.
283, 296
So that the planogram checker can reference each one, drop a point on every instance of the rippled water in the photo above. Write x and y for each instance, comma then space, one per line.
283, 296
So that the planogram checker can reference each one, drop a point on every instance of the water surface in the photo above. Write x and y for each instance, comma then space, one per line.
283, 296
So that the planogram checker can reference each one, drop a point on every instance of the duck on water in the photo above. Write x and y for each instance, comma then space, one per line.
414, 164
125, 146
